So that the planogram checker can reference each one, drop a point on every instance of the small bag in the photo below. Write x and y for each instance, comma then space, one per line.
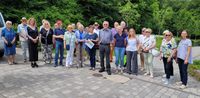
9, 44
67, 47
155, 52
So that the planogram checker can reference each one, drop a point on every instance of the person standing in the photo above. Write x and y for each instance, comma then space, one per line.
131, 52
23, 37
114, 31
119, 44
167, 49
80, 35
33, 42
93, 37
9, 38
184, 58
105, 39
46, 37
96, 30
141, 38
148, 44
69, 45
58, 36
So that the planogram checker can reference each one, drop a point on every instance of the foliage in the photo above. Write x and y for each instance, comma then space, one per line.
194, 69
159, 15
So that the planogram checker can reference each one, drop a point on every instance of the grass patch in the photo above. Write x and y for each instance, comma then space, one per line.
194, 69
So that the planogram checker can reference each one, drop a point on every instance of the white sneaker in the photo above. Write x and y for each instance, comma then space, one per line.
171, 77
166, 82
146, 74
163, 79
164, 76
151, 76
182, 86
179, 83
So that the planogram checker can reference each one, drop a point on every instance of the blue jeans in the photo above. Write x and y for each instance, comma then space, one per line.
119, 56
59, 48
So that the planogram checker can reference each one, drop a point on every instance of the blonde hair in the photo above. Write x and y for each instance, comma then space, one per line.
80, 27
69, 27
47, 22
166, 31
148, 30
8, 22
29, 20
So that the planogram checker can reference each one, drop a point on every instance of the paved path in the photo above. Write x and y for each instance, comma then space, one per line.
21, 81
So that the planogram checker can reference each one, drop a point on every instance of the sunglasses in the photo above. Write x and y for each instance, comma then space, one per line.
167, 35
147, 32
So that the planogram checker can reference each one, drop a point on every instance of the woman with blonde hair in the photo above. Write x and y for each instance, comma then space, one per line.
131, 52
69, 45
9, 38
167, 49
33, 42
46, 38
148, 44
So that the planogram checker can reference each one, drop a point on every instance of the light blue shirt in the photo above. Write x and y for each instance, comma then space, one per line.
22, 30
132, 44
105, 36
183, 48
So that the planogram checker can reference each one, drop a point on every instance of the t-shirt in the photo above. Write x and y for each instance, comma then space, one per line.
131, 44
183, 48
167, 47
141, 38
59, 31
22, 30
120, 40
93, 36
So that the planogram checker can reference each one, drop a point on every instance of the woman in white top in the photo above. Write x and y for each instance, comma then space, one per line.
148, 44
69, 45
131, 52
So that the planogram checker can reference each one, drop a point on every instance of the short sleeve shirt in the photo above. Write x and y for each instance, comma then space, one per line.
148, 42
9, 35
120, 40
59, 31
131, 44
183, 48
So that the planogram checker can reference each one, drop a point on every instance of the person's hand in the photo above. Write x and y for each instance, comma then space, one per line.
64, 46
186, 61
6, 42
168, 59
160, 57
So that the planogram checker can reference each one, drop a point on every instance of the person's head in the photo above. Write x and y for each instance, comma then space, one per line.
184, 34
131, 32
73, 25
119, 29
123, 24
167, 35
32, 22
148, 32
24, 20
47, 24
81, 27
43, 20
116, 24
91, 29
105, 24
96, 25
59, 23
8, 24
78, 23
143, 31
70, 28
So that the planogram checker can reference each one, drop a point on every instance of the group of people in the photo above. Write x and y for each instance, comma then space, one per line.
120, 40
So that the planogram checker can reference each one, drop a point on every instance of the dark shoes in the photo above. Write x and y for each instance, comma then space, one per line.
109, 72
101, 70
33, 65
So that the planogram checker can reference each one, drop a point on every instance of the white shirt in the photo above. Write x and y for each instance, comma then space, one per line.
148, 42
131, 44
96, 31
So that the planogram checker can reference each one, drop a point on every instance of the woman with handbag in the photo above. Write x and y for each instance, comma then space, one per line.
9, 37
69, 45
46, 37
148, 44
167, 51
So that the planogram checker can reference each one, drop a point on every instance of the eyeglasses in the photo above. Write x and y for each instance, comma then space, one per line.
167, 35
147, 32
105, 24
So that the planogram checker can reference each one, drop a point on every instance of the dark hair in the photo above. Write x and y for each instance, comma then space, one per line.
188, 36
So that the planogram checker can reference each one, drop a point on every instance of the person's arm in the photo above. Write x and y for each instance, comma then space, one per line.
188, 52
3, 37
14, 39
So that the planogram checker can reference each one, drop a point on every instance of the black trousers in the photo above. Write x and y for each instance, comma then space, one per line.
92, 54
104, 51
183, 71
132, 64
168, 67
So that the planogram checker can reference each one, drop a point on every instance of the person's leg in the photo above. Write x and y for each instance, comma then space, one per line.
67, 59
107, 51
165, 64
71, 56
93, 58
172, 69
101, 52
135, 63
128, 61
90, 54
146, 63
111, 52
57, 53
23, 50
121, 57
168, 71
97, 55
117, 56
150, 63
184, 74
180, 64
61, 53
142, 61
